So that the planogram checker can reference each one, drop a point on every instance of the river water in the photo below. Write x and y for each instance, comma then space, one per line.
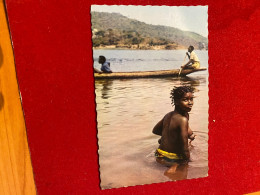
128, 109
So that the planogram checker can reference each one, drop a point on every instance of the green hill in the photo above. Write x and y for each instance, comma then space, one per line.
115, 29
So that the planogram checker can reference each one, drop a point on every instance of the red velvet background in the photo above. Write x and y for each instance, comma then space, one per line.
53, 55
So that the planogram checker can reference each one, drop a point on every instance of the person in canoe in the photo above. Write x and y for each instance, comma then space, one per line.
105, 66
174, 129
194, 62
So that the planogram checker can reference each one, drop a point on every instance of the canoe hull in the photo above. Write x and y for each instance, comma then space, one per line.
146, 74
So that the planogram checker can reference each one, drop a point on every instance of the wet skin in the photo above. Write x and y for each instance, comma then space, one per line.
174, 127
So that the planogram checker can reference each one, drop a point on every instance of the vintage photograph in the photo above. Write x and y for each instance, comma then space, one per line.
151, 86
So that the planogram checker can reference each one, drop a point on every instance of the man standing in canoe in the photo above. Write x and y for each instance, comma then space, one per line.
105, 67
194, 62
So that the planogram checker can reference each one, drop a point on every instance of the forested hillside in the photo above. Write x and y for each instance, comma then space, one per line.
113, 29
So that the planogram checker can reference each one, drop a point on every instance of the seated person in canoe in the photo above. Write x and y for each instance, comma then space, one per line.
174, 129
105, 66
194, 62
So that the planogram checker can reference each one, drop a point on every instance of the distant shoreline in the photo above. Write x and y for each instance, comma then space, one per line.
141, 47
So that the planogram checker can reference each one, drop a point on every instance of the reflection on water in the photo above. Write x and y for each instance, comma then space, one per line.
177, 172
107, 86
127, 111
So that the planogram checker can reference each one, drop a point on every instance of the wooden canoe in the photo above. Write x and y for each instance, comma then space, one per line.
146, 74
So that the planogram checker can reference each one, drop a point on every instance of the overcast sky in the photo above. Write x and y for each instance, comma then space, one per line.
188, 18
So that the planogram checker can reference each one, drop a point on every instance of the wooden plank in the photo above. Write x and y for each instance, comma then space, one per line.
254, 193
16, 174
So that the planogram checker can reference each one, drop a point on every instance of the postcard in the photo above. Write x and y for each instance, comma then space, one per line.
151, 86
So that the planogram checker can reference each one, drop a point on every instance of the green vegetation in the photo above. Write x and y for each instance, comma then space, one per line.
115, 29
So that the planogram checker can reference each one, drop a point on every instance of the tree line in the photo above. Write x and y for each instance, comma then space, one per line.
131, 37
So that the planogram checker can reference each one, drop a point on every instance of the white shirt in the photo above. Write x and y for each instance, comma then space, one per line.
194, 57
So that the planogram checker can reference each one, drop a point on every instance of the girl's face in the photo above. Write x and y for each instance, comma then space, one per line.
186, 102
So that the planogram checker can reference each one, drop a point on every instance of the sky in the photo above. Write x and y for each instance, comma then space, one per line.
188, 18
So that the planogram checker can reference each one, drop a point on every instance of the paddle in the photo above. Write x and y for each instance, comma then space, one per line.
182, 65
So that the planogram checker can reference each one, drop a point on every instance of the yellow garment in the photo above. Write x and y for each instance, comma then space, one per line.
196, 65
194, 57
161, 153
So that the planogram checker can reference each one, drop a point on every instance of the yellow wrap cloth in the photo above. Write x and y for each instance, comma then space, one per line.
168, 155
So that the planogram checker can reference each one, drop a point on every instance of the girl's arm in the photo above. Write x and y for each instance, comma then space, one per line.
158, 128
184, 126
191, 136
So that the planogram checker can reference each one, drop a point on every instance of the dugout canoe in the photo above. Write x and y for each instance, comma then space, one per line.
146, 74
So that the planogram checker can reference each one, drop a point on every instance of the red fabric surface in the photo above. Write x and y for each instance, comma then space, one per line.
53, 55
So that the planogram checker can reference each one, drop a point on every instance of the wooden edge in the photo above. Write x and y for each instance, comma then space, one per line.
253, 193
15, 164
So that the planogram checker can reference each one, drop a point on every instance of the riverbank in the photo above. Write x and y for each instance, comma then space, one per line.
143, 47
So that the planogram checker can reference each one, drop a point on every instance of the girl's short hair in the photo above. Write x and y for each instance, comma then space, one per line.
178, 92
